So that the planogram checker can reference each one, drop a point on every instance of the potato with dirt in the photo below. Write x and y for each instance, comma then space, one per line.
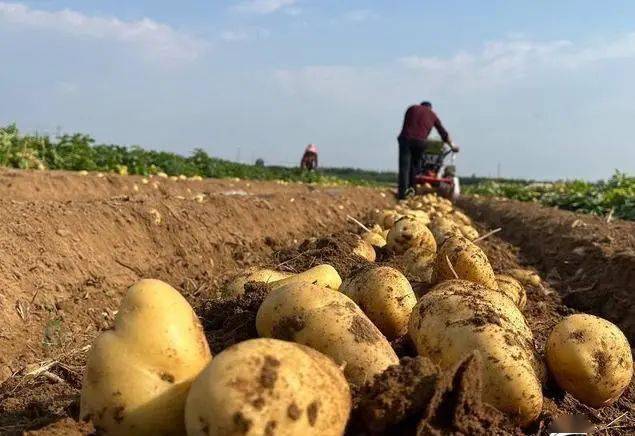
236, 286
459, 258
385, 296
442, 228
323, 275
458, 317
267, 387
409, 232
419, 263
139, 373
590, 358
525, 276
513, 289
329, 322
364, 248
376, 239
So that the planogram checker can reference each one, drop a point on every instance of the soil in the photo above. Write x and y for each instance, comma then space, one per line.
71, 247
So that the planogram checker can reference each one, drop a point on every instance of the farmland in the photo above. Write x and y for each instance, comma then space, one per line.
73, 243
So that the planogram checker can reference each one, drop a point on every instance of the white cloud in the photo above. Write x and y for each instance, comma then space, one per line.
244, 34
264, 6
154, 39
360, 15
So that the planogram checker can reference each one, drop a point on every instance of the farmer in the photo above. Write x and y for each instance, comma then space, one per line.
309, 159
417, 124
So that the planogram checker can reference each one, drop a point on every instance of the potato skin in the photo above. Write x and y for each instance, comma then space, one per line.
236, 286
590, 358
468, 261
419, 263
513, 289
329, 322
385, 296
138, 374
409, 232
442, 228
374, 238
323, 275
458, 317
364, 248
525, 276
267, 386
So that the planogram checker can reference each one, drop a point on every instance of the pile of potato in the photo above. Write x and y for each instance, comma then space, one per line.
320, 333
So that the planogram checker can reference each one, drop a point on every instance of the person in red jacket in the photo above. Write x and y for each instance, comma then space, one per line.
418, 122
309, 159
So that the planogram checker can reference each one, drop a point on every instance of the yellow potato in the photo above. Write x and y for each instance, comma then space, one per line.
460, 217
409, 232
266, 387
329, 322
419, 263
138, 374
457, 318
385, 296
236, 287
467, 260
442, 228
468, 231
323, 275
374, 238
513, 289
363, 248
387, 218
525, 276
590, 358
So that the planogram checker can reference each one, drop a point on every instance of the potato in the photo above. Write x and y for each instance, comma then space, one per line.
409, 232
385, 296
419, 215
419, 263
442, 228
459, 317
363, 248
266, 387
590, 358
236, 287
468, 231
138, 374
387, 218
374, 238
323, 275
525, 276
513, 289
460, 217
329, 322
467, 260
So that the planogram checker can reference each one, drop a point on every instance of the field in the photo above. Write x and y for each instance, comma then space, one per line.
73, 243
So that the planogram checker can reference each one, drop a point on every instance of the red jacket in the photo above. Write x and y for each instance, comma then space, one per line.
418, 122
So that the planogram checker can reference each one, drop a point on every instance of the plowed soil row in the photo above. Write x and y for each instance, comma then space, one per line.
590, 261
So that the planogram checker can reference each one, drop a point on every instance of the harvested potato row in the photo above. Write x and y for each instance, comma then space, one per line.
138, 374
267, 386
590, 358
458, 317
459, 258
385, 296
329, 322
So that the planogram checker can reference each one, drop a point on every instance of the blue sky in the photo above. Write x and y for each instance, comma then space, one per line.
544, 88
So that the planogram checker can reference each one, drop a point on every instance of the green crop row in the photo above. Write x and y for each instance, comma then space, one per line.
79, 152
614, 196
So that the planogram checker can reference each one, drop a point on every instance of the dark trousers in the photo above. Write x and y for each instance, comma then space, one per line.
410, 151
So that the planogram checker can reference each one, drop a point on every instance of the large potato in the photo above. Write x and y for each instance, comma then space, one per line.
138, 374
513, 289
236, 287
459, 317
267, 387
323, 275
590, 358
459, 255
409, 232
385, 296
419, 263
329, 322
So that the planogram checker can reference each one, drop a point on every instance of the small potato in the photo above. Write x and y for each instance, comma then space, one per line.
385, 296
364, 249
387, 218
513, 289
442, 228
374, 238
460, 217
267, 387
468, 231
236, 287
419, 215
467, 260
409, 232
525, 276
419, 263
590, 358
459, 317
138, 374
323, 275
329, 322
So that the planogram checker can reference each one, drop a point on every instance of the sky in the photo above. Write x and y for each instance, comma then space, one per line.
541, 89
